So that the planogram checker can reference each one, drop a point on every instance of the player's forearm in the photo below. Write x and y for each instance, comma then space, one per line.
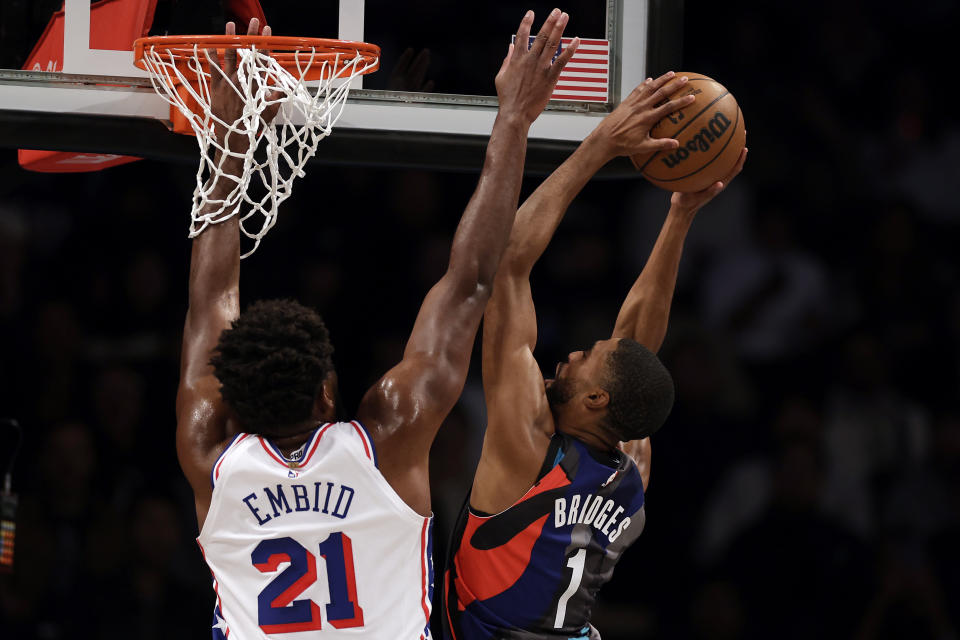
215, 257
484, 229
646, 311
541, 213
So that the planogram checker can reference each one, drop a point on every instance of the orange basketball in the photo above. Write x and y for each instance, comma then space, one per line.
711, 134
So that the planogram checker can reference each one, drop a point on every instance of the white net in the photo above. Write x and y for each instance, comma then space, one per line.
267, 178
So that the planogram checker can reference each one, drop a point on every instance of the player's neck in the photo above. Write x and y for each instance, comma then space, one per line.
591, 435
296, 438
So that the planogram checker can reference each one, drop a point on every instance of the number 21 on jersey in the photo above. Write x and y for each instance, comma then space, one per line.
278, 609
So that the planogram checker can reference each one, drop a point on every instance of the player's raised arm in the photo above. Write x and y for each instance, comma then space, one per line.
405, 408
646, 310
517, 409
645, 313
626, 131
214, 289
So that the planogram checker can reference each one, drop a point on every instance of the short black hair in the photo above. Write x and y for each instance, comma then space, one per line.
641, 391
271, 363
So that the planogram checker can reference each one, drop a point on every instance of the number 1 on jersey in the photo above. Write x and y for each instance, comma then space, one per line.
343, 611
279, 612
576, 563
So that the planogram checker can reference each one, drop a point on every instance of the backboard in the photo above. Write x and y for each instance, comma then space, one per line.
431, 105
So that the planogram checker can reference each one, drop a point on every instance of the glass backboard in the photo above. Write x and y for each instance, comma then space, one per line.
432, 103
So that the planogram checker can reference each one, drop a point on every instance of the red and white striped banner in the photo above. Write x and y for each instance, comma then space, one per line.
586, 76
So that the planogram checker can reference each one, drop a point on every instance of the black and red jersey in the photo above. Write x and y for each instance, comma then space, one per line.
534, 570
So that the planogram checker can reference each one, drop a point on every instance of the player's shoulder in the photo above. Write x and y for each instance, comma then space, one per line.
354, 434
586, 464
236, 443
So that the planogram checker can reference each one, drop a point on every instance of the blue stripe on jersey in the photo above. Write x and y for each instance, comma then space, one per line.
213, 469
279, 453
373, 447
560, 454
219, 626
430, 580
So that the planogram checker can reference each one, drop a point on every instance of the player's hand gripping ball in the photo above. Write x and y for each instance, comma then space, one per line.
711, 134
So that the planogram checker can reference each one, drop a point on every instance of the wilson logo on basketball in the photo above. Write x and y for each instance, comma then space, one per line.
699, 142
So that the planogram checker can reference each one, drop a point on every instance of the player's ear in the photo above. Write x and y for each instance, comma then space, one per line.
325, 404
596, 399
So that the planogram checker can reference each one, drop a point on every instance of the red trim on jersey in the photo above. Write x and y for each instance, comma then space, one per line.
446, 602
316, 442
216, 470
216, 589
423, 568
266, 448
363, 436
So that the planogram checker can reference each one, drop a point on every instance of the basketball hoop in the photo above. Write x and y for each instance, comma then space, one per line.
271, 70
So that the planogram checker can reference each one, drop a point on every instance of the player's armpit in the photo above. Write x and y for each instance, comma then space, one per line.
509, 326
512, 382
645, 312
202, 429
201, 414
402, 412
198, 385
517, 437
519, 422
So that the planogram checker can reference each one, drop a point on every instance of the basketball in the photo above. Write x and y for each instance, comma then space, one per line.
711, 134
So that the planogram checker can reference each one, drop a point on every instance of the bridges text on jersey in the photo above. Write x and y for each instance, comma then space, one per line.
593, 511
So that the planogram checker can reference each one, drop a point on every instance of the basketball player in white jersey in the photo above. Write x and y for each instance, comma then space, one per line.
314, 528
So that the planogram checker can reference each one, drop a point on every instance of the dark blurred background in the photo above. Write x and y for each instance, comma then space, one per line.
807, 484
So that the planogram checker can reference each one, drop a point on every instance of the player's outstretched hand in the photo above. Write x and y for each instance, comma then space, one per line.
527, 76
693, 201
626, 131
225, 103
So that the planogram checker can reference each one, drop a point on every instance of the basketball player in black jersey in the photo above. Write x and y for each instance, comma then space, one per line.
558, 491
268, 371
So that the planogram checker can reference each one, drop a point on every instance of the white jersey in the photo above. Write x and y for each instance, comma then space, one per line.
317, 545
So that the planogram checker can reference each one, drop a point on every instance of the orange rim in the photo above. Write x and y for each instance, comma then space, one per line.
292, 53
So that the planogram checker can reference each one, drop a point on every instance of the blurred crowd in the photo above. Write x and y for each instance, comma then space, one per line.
807, 483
